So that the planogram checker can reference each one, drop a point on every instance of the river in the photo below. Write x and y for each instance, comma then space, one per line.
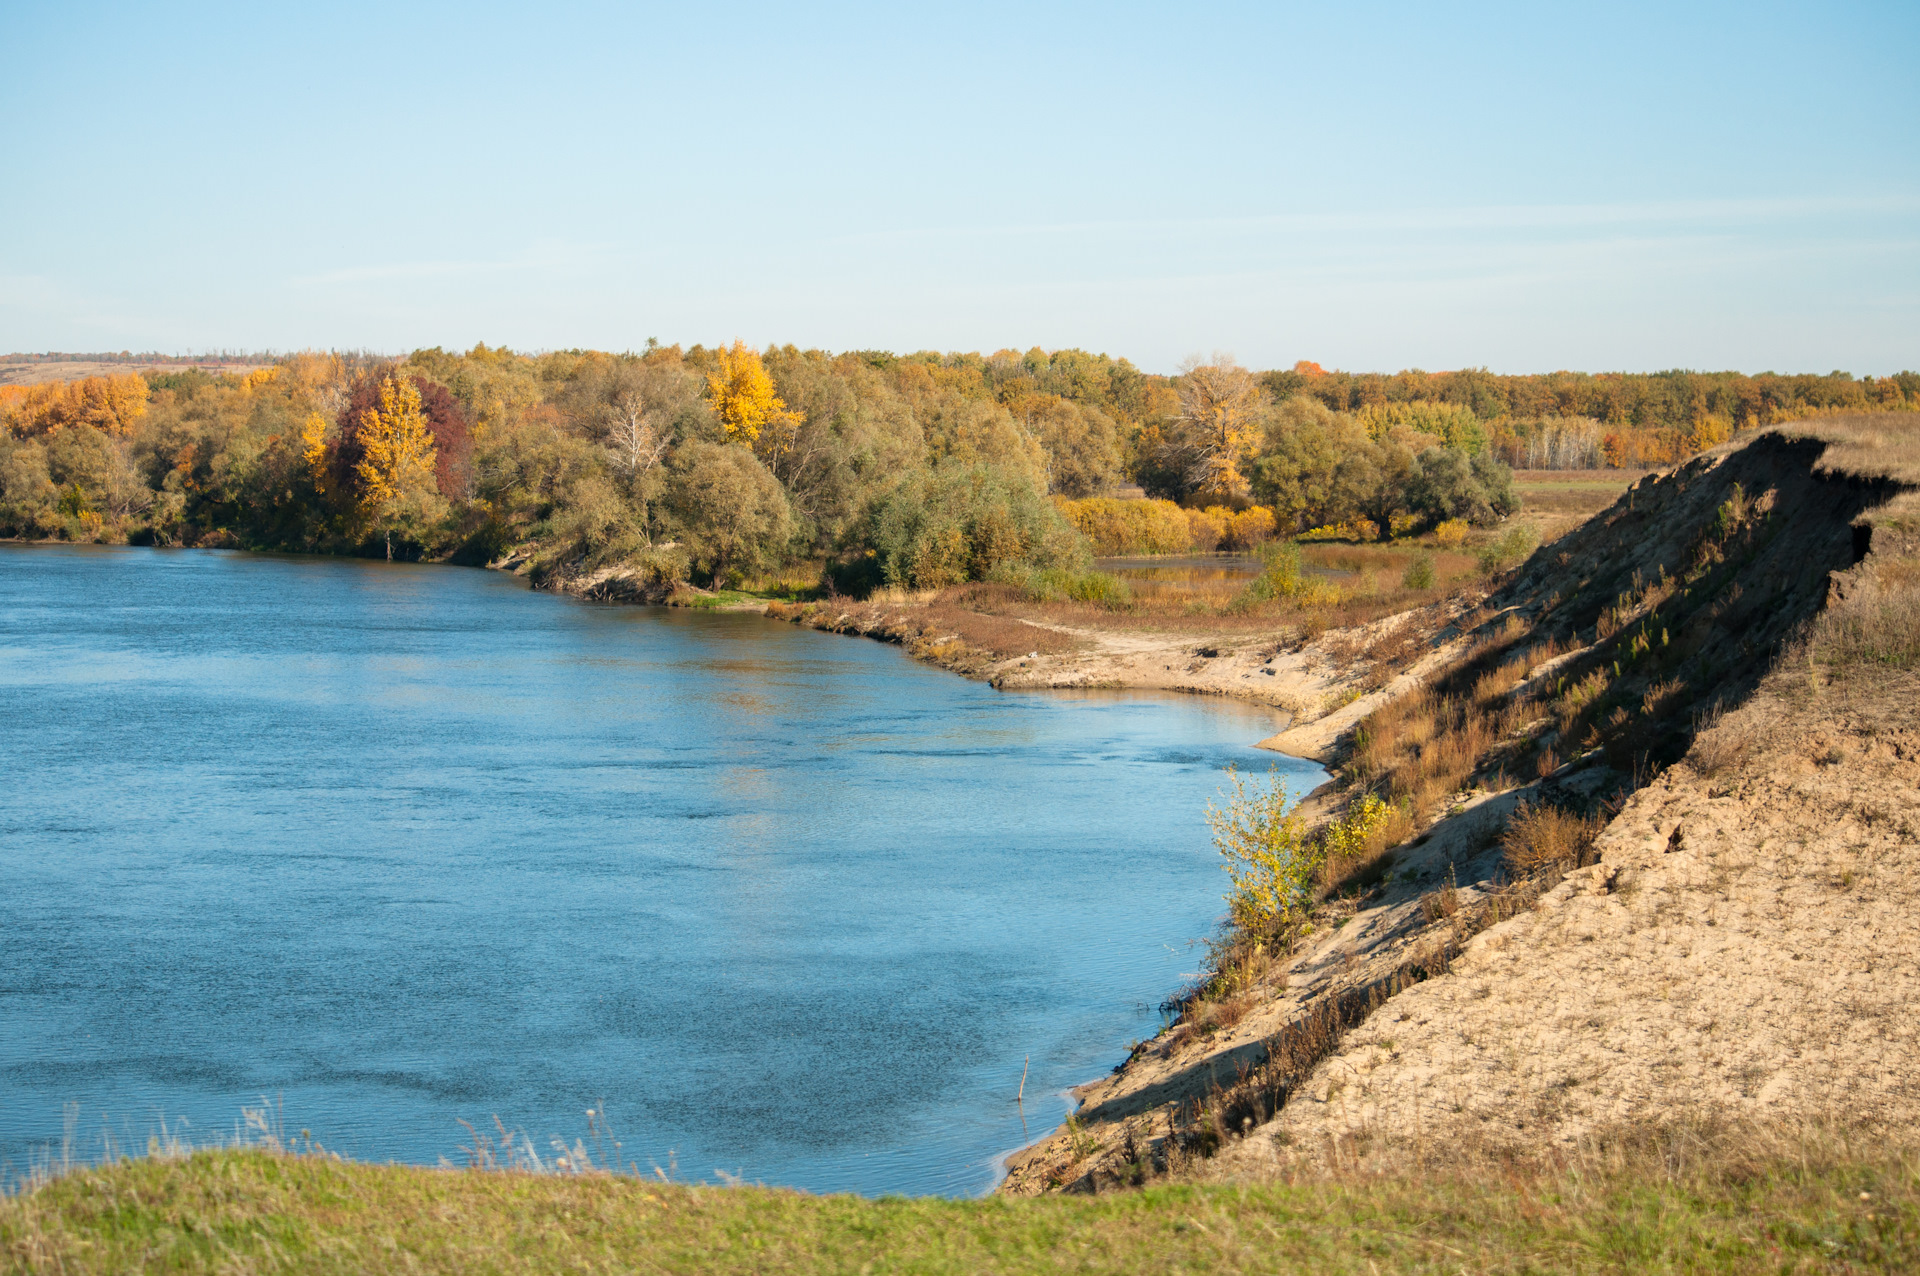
398, 845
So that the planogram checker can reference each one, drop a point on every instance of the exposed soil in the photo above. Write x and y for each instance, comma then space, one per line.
1745, 949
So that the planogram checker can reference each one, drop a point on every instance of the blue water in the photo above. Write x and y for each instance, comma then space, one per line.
400, 845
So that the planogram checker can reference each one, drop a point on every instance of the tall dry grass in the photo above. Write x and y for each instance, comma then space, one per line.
1541, 837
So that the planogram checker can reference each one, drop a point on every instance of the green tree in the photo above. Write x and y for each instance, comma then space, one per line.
955, 523
731, 512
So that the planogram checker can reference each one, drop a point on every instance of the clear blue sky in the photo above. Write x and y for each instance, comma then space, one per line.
1526, 187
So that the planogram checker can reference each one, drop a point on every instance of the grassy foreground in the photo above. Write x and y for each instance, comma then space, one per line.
251, 1210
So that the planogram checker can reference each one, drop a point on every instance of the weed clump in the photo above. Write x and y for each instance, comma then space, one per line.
1283, 577
1057, 584
1542, 837
1519, 541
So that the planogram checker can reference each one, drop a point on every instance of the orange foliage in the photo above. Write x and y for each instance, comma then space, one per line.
110, 404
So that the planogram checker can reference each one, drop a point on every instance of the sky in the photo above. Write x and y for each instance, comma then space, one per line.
1522, 187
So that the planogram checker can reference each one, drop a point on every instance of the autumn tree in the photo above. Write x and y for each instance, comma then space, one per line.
396, 466
112, 405
1216, 428
744, 401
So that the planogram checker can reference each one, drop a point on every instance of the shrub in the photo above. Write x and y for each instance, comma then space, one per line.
1284, 578
1114, 527
1251, 527
1509, 550
957, 523
1269, 858
1419, 573
1358, 844
1451, 533
1539, 837
1208, 527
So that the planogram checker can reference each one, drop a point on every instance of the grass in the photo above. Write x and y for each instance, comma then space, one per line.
1650, 1211
1542, 837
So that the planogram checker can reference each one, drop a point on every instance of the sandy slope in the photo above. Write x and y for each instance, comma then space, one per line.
1748, 946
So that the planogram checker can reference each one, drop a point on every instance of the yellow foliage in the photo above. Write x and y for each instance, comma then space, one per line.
1360, 529
1220, 412
1252, 526
1270, 859
1450, 533
1208, 527
110, 404
258, 377
397, 446
743, 398
1129, 527
1348, 836
1709, 431
313, 448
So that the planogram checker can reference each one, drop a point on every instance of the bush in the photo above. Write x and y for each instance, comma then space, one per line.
1540, 837
1251, 527
1114, 527
1208, 527
1509, 550
958, 523
1451, 533
1419, 573
1283, 577
1269, 858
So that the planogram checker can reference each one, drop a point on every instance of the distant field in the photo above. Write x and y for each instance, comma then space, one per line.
38, 373
1576, 492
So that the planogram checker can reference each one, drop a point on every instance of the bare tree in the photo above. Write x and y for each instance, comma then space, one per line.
632, 442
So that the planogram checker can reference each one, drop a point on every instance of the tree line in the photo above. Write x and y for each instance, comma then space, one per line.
718, 463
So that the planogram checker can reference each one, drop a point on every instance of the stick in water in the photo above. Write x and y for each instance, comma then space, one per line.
1021, 1098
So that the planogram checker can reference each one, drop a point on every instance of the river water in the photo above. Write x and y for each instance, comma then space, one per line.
397, 846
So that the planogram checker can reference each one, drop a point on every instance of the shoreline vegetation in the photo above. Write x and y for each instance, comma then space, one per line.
1532, 689
1682, 1200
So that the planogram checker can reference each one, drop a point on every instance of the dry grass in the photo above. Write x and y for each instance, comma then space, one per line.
1421, 748
1719, 743
1877, 623
1865, 444
1538, 838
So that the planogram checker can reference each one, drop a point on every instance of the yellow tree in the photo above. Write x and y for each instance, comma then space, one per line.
1220, 405
742, 396
396, 455
313, 449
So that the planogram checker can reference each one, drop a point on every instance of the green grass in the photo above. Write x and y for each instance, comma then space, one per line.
254, 1210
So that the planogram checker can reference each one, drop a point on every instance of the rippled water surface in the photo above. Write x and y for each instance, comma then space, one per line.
402, 845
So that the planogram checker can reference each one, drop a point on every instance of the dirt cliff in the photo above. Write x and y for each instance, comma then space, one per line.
1714, 683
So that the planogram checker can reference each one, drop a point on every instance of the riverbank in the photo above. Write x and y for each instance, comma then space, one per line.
1647, 870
